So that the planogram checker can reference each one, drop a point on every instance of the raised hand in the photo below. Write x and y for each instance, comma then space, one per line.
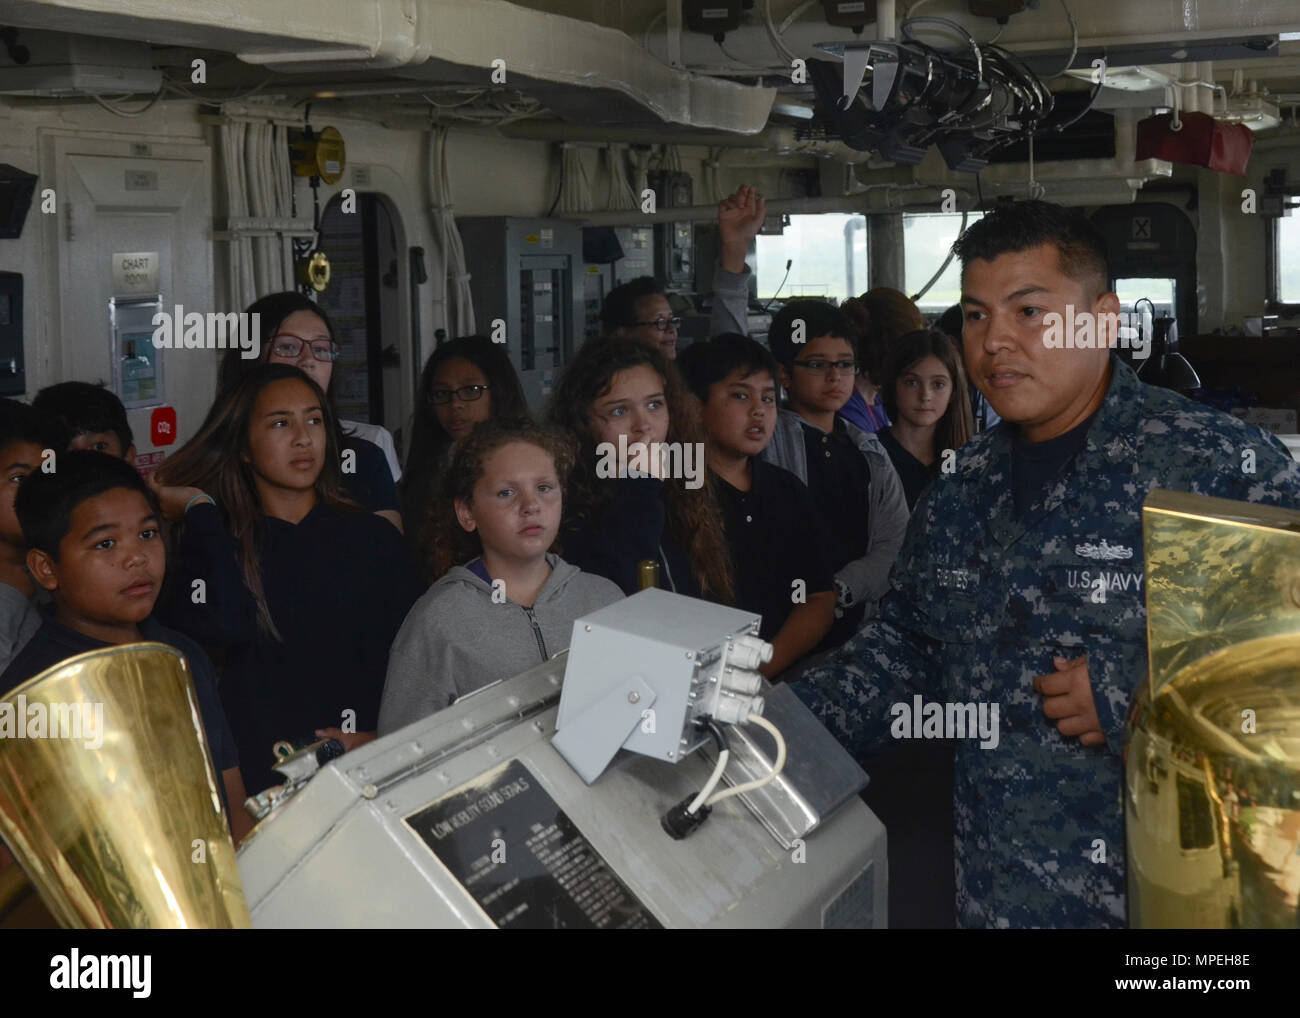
740, 216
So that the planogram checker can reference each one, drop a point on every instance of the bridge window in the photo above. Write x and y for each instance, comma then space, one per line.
1286, 257
927, 239
827, 255
1161, 293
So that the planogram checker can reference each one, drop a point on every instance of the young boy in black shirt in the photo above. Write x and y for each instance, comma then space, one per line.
773, 530
95, 544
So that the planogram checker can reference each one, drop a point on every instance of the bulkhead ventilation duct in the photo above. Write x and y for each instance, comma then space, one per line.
578, 69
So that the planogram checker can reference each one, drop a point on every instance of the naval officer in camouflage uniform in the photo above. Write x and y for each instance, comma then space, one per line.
1020, 580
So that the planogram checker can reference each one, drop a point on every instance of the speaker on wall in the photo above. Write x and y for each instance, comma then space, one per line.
16, 190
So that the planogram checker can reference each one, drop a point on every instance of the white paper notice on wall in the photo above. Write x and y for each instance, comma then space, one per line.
135, 272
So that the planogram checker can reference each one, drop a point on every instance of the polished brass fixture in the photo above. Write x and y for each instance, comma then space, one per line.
1212, 759
108, 796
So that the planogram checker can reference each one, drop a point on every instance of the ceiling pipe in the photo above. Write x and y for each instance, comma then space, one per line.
886, 19
875, 200
773, 139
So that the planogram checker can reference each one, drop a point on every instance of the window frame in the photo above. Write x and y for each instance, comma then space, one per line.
974, 216
1272, 268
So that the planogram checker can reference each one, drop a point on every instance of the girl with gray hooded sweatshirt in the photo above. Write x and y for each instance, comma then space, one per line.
511, 605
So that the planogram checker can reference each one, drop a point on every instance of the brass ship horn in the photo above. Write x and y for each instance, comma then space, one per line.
108, 795
1212, 759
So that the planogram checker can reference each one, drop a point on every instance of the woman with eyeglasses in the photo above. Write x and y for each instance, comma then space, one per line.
639, 309
296, 331
278, 573
851, 480
465, 382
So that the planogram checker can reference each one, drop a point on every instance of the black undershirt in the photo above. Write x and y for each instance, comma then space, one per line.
1035, 464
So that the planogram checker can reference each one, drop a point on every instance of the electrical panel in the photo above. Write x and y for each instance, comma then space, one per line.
638, 253
674, 242
13, 381
597, 280
638, 245
527, 274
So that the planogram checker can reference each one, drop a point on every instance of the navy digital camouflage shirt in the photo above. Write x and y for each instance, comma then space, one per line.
980, 600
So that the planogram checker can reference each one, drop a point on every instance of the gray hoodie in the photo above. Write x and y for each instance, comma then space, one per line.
456, 639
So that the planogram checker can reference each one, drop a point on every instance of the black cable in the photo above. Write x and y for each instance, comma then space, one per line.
979, 191
788, 263
559, 190
1096, 91
952, 26
715, 729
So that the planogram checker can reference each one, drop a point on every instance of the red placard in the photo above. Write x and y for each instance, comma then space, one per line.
162, 425
147, 462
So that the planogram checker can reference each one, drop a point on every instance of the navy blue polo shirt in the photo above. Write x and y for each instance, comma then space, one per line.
775, 537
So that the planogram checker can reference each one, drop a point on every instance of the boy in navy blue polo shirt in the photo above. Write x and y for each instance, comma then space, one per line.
95, 544
773, 530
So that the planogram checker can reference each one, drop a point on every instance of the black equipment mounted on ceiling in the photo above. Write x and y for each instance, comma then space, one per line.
16, 190
714, 17
997, 8
854, 14
912, 96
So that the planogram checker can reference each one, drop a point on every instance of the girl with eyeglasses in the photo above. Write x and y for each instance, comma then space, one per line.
279, 573
622, 388
296, 331
464, 382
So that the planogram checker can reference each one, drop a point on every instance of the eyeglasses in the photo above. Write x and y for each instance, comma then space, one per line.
663, 324
290, 346
466, 394
827, 366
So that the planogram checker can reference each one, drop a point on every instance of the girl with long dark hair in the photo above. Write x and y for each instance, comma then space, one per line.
296, 331
623, 389
278, 572
925, 395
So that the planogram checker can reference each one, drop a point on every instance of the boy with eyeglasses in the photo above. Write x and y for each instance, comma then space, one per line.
639, 309
848, 473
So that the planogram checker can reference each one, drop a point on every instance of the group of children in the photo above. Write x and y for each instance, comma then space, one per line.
315, 598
